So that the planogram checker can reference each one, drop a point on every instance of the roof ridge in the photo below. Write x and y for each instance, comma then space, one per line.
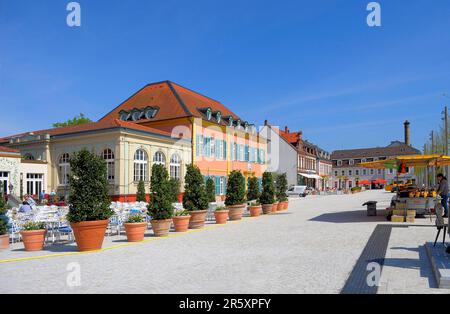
177, 96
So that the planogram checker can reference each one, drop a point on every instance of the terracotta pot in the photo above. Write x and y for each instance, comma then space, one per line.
197, 220
275, 207
255, 211
135, 231
180, 198
221, 216
4, 241
280, 206
33, 240
161, 227
286, 205
236, 211
181, 223
267, 208
89, 235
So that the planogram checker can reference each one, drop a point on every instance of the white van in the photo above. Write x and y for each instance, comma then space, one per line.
297, 190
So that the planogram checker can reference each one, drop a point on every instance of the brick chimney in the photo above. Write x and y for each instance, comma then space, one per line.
266, 122
286, 130
407, 133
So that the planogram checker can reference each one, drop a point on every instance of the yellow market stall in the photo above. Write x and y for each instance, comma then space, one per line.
411, 200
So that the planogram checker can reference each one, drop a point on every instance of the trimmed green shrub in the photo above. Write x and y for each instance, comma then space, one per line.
175, 186
210, 190
194, 190
140, 194
268, 192
3, 229
32, 226
160, 206
235, 189
282, 187
88, 198
253, 192
135, 219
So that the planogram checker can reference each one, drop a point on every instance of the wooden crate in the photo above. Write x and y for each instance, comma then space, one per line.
396, 218
411, 213
410, 219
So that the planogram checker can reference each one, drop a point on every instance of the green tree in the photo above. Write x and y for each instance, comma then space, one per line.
140, 194
210, 190
160, 206
268, 193
253, 192
88, 197
77, 120
235, 189
194, 190
282, 187
175, 186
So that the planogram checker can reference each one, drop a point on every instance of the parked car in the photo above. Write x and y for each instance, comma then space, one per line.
297, 190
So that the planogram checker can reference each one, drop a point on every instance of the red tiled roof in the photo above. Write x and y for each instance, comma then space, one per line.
291, 137
389, 151
173, 100
4, 149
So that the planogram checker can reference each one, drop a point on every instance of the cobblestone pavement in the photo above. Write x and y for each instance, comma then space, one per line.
312, 248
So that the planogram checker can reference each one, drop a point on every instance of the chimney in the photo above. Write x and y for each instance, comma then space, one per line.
286, 130
407, 133
266, 122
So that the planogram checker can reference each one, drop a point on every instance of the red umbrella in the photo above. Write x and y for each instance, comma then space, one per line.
364, 182
379, 181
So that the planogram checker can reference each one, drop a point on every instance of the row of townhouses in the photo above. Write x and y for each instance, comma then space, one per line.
163, 123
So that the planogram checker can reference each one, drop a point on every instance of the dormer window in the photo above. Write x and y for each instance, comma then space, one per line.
339, 162
351, 162
123, 115
150, 112
138, 114
230, 121
208, 114
246, 126
238, 123
218, 116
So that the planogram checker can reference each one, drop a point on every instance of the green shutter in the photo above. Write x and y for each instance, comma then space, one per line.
217, 185
225, 150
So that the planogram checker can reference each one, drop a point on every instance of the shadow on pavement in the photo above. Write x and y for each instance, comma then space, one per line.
350, 217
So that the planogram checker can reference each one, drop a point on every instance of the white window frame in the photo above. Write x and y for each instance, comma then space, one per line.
108, 156
140, 166
64, 169
175, 167
159, 158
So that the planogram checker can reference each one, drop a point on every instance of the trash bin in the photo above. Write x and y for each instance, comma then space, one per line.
371, 208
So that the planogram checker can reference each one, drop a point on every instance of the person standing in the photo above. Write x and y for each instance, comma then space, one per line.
443, 192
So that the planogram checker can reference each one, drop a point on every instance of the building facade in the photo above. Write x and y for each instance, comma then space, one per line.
282, 155
163, 123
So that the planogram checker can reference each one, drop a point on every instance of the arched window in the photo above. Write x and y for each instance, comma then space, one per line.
175, 167
64, 169
140, 166
159, 159
108, 156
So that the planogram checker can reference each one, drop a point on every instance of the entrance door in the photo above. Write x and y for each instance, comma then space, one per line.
35, 182
4, 179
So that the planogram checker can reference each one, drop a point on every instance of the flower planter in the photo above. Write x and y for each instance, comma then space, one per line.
275, 207
33, 240
236, 211
267, 208
4, 241
181, 223
89, 235
197, 220
161, 227
180, 198
135, 231
280, 206
255, 211
221, 216
285, 205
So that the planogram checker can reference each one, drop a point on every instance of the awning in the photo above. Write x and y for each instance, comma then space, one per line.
310, 176
364, 182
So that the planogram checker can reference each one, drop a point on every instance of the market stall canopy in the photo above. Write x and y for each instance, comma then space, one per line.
409, 161
310, 176
379, 181
364, 182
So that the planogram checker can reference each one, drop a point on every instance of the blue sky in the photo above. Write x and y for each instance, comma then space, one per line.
312, 65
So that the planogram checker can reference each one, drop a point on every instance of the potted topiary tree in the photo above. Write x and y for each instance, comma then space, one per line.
235, 196
281, 192
135, 228
210, 190
194, 199
89, 202
160, 206
267, 197
4, 236
221, 215
253, 194
174, 185
33, 235
140, 194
